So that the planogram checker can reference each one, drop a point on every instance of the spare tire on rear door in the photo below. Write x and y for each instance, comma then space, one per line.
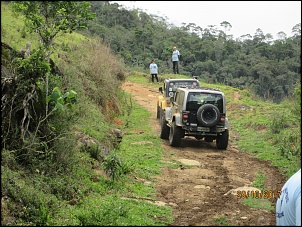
208, 115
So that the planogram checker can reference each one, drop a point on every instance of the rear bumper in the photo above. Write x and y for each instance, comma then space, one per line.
203, 131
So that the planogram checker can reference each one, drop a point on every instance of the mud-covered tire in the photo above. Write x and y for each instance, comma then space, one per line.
208, 115
222, 140
175, 135
165, 129
158, 111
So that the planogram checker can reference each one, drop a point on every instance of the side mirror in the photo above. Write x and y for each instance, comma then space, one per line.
160, 90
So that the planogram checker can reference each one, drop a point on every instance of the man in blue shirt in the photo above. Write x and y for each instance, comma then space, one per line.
175, 59
288, 206
153, 70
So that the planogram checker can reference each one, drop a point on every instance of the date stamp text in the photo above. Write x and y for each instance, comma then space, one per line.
259, 194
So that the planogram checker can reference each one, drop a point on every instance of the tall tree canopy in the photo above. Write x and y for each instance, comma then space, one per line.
48, 18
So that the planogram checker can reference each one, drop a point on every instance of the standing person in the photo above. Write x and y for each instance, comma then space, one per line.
175, 59
153, 70
288, 206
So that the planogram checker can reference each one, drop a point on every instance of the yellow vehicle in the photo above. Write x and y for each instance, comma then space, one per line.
168, 90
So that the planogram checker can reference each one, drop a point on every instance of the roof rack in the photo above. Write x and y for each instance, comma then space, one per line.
209, 88
196, 87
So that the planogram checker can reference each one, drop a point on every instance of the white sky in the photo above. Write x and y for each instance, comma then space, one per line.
245, 17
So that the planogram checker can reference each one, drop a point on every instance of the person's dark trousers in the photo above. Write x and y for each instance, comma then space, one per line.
175, 67
154, 75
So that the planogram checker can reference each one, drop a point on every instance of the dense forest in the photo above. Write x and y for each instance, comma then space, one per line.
269, 67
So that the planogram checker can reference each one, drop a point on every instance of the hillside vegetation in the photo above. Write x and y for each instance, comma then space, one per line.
269, 66
71, 166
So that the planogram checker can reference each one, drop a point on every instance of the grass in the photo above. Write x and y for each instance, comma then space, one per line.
97, 210
255, 199
223, 221
105, 204
264, 204
260, 179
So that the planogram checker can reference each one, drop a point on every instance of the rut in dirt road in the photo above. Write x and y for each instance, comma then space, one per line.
195, 189
202, 190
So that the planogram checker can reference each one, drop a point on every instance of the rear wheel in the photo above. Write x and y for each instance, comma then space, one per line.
176, 133
165, 130
222, 140
157, 111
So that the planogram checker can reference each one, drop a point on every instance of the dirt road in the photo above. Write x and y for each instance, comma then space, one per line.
207, 190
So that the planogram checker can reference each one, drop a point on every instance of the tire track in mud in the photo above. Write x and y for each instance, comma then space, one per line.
199, 191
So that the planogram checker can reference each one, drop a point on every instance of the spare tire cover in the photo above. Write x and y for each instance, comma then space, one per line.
208, 115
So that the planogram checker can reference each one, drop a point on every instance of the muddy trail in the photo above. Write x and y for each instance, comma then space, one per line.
203, 191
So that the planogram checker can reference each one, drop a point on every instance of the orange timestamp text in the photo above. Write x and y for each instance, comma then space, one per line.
258, 194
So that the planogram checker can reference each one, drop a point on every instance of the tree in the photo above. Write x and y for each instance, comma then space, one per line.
258, 36
226, 25
49, 18
281, 35
29, 94
297, 29
137, 38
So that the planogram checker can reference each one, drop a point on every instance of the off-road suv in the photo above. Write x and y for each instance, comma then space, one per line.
170, 86
198, 112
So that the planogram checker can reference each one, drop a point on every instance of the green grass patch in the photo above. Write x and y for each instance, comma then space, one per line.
97, 210
259, 203
125, 201
223, 221
260, 179
141, 146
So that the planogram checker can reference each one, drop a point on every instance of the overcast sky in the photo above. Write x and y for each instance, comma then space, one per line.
245, 17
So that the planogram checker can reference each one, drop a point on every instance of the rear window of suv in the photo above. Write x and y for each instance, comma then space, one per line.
196, 99
174, 85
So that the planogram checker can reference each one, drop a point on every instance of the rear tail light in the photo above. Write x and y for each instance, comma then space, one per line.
222, 118
185, 117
